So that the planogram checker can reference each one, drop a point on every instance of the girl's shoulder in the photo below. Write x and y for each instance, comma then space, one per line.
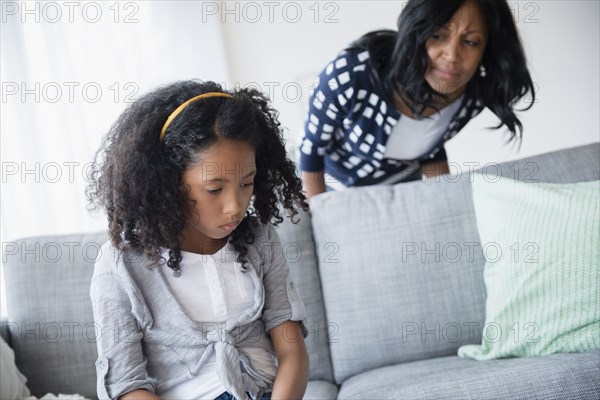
111, 260
263, 233
265, 242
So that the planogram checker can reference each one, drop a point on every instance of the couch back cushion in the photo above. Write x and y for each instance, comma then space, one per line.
402, 279
50, 319
301, 254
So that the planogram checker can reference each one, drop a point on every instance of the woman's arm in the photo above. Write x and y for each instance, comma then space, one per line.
292, 373
139, 394
313, 183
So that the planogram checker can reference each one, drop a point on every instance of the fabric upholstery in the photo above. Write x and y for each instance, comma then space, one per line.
404, 278
297, 243
555, 377
50, 312
320, 390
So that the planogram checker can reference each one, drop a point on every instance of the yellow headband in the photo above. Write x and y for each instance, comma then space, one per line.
179, 109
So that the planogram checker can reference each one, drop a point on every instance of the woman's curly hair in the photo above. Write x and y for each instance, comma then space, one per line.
138, 177
399, 59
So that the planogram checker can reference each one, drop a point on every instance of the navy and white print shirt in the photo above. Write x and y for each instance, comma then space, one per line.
349, 122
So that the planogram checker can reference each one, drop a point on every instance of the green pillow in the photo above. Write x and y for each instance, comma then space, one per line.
540, 242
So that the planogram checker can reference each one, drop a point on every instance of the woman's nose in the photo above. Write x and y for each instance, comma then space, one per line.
452, 50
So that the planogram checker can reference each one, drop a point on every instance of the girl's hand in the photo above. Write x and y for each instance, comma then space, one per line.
292, 373
139, 394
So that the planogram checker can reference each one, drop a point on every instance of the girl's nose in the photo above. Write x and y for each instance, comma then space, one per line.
232, 205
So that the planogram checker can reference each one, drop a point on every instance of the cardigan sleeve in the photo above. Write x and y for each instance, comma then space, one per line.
440, 156
118, 316
282, 302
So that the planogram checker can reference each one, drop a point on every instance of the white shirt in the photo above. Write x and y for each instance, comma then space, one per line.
212, 288
411, 139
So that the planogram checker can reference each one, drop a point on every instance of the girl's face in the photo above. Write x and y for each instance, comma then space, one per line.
455, 51
219, 187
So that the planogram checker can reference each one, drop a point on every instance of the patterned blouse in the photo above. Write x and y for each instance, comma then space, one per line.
349, 123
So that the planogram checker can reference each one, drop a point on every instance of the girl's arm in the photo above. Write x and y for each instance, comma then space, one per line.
292, 373
139, 394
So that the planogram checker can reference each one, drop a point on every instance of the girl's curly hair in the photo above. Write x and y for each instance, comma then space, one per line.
138, 177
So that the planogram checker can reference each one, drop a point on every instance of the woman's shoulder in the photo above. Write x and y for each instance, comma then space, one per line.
346, 79
357, 55
352, 55
352, 62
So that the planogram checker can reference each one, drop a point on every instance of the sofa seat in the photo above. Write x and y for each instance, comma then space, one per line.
320, 390
558, 376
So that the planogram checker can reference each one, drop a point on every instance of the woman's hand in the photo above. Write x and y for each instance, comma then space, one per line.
313, 183
292, 373
436, 168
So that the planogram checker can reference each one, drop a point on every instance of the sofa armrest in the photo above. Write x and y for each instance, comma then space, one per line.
4, 331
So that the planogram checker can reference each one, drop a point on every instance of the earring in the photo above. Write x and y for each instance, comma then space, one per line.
482, 71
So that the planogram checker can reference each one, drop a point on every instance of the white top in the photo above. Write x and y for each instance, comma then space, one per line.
212, 288
411, 139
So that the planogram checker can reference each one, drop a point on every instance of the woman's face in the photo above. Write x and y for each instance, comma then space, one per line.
219, 188
455, 51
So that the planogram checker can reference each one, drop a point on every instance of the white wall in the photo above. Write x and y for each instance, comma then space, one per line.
561, 38
64, 83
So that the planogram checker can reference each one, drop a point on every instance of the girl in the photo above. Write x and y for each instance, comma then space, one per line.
191, 178
383, 109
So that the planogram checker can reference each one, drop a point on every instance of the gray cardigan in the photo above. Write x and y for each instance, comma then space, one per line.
146, 341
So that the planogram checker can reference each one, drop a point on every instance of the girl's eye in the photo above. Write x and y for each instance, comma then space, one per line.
247, 184
471, 43
213, 191
436, 36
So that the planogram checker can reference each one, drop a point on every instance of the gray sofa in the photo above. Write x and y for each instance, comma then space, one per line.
389, 302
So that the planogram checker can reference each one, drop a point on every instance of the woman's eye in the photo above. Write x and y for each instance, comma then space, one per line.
247, 184
471, 43
436, 36
213, 191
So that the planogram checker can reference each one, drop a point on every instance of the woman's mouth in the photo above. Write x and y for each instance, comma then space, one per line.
446, 74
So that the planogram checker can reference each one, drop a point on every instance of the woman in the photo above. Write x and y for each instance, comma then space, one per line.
383, 109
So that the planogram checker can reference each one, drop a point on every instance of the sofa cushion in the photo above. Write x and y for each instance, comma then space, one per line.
299, 251
50, 317
558, 376
402, 277
320, 390
402, 283
542, 273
